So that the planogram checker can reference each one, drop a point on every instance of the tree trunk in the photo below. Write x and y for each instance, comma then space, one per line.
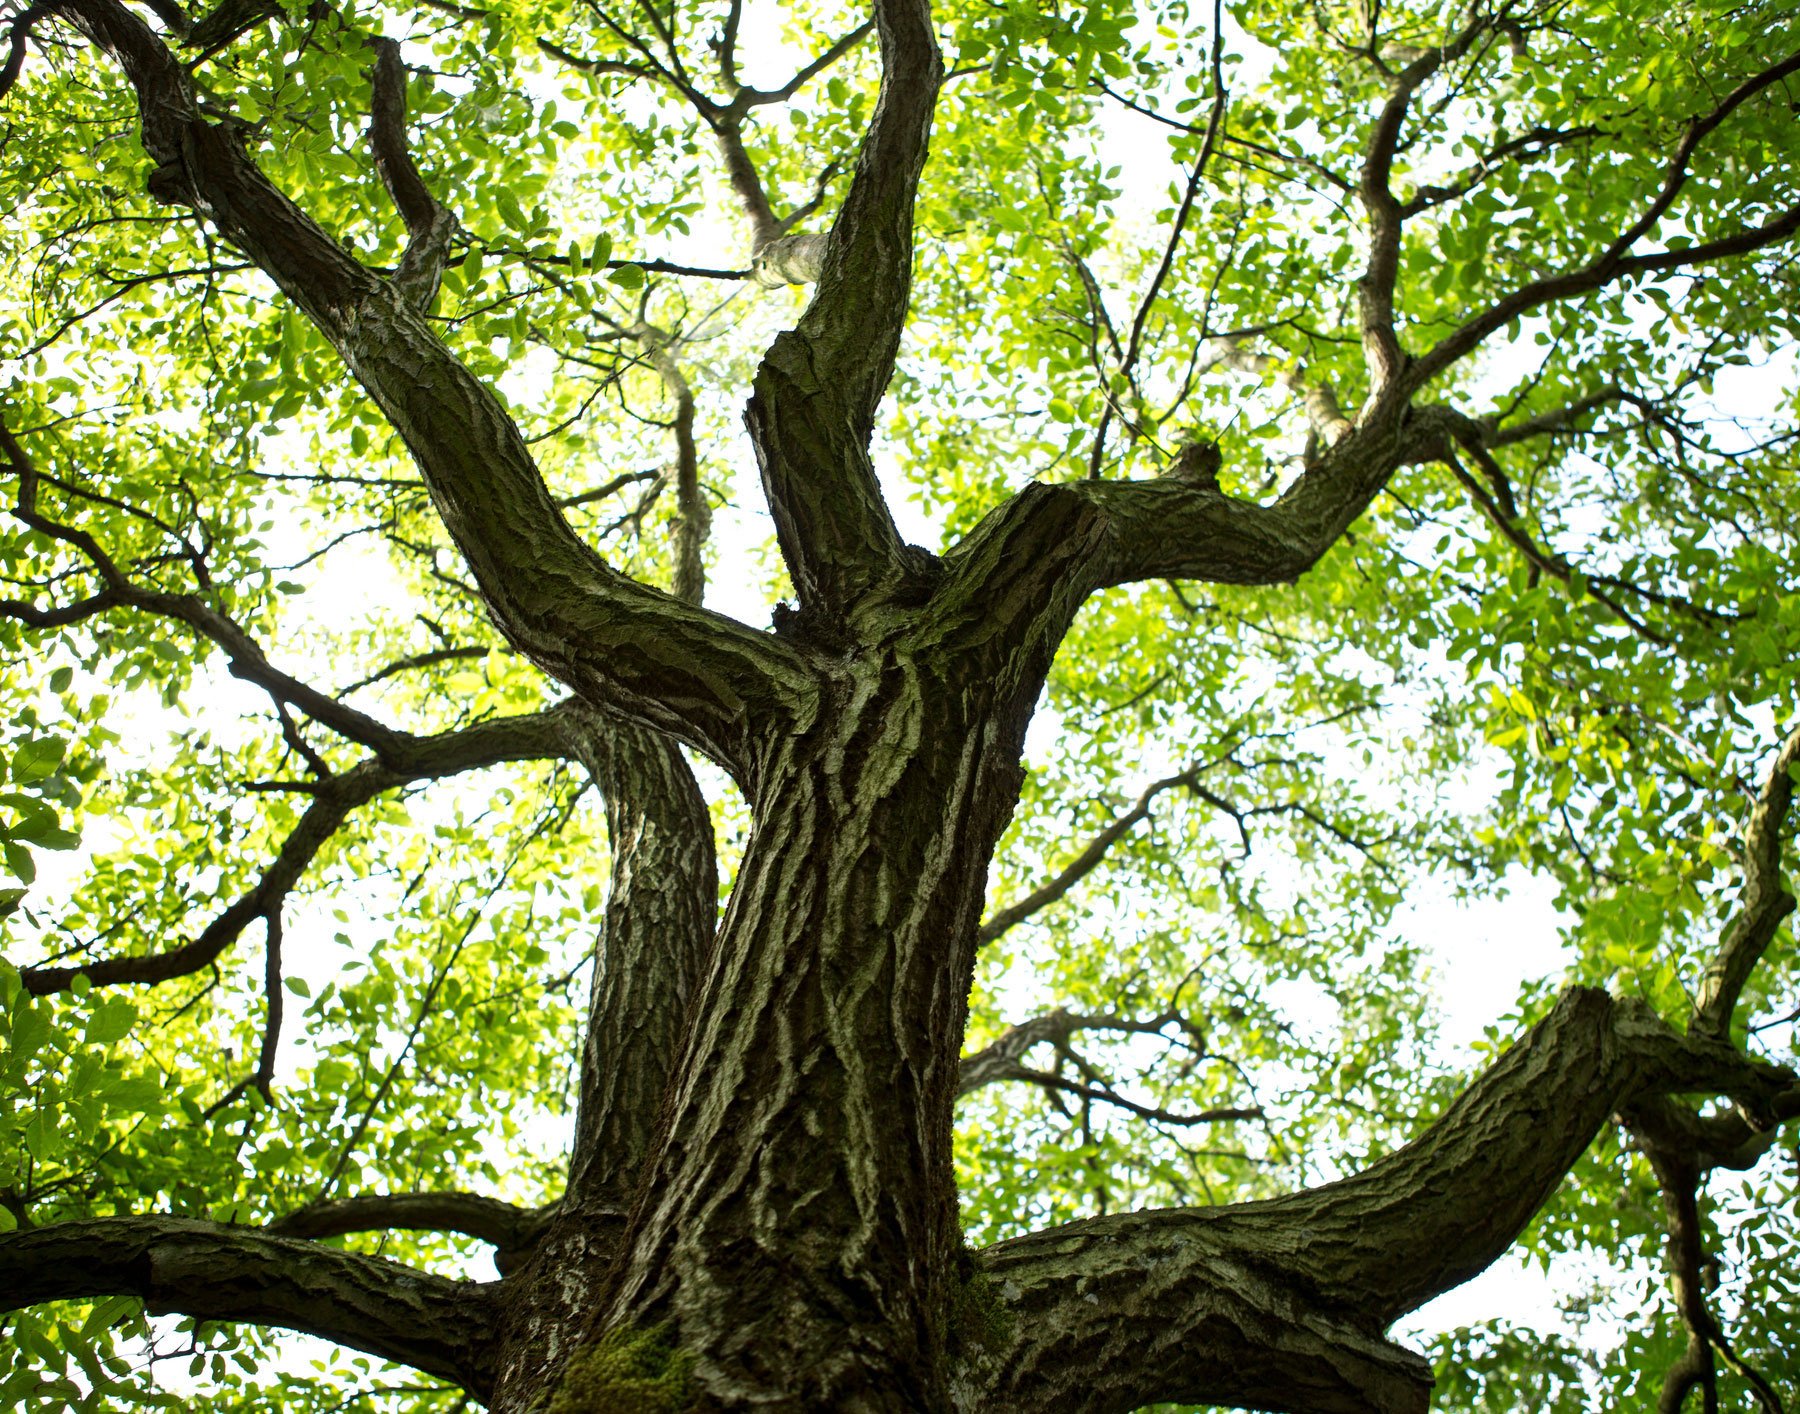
794, 1241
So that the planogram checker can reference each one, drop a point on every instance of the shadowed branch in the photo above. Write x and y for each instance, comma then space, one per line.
215, 1272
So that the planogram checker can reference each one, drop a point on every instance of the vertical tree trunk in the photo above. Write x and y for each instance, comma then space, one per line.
795, 1241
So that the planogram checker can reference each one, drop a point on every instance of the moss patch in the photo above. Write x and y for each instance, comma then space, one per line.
981, 1320
627, 1372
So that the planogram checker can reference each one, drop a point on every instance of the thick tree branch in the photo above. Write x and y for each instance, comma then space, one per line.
661, 912
813, 409
1279, 1305
1180, 527
702, 677
218, 1273
655, 942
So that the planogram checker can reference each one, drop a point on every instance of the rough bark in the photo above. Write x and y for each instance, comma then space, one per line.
1280, 1305
220, 1273
662, 907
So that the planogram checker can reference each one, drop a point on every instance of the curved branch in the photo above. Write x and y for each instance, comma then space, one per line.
661, 912
504, 1225
700, 676
1084, 863
1178, 527
1000, 1061
1375, 289
1765, 902
244, 656
537, 736
429, 224
18, 35
816, 393
1279, 1305
218, 1273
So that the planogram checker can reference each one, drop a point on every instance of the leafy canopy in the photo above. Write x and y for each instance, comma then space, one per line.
1553, 659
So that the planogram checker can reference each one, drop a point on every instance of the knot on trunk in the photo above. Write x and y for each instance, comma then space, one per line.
789, 260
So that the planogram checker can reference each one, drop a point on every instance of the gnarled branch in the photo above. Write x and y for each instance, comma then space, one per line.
1280, 1305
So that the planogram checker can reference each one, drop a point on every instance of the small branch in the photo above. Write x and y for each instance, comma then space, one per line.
429, 658
757, 97
272, 1000
429, 225
1085, 862
1134, 342
1539, 558
693, 516
995, 1062
244, 656
1663, 1128
1765, 902
1050, 1081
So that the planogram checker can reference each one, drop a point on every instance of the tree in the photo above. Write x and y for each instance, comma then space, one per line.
1373, 496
